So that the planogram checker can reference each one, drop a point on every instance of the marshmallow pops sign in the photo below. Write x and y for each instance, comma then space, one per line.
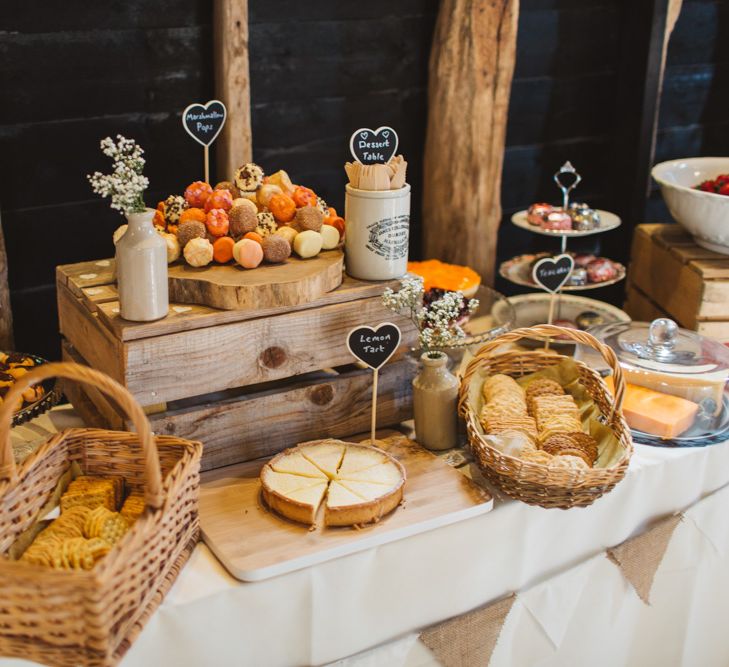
203, 123
374, 347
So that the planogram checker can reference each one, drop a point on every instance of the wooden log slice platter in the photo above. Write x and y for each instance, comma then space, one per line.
228, 287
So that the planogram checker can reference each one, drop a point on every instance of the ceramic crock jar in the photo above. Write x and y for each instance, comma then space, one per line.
435, 399
671, 362
141, 270
377, 231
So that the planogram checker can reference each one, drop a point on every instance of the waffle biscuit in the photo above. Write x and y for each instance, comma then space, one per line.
543, 387
525, 425
500, 384
557, 427
561, 444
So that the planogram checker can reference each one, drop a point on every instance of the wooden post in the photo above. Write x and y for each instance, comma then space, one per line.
6, 315
232, 85
471, 67
646, 29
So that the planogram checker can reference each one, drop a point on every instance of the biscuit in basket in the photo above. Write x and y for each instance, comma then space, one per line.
133, 507
89, 492
68, 524
543, 387
525, 425
537, 456
109, 526
585, 442
561, 444
500, 384
568, 462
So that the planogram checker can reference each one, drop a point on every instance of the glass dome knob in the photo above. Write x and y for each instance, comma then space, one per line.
662, 334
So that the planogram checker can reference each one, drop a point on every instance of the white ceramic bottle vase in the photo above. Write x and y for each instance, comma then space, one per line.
435, 403
377, 231
141, 270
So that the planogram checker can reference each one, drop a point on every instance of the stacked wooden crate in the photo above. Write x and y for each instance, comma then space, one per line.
245, 383
671, 276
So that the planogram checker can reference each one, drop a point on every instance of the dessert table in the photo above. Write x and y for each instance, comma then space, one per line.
573, 605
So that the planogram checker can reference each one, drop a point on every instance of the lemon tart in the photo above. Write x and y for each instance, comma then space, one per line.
344, 483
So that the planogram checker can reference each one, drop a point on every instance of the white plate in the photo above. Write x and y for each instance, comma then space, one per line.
608, 221
532, 309
519, 270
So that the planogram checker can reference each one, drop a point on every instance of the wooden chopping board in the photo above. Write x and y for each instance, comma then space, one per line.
253, 543
231, 287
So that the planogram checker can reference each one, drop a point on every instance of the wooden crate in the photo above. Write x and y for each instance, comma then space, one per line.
670, 275
246, 384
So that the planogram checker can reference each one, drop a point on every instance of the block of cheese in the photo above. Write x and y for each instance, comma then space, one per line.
656, 413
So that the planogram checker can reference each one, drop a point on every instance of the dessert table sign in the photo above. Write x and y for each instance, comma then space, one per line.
374, 347
374, 146
203, 122
551, 273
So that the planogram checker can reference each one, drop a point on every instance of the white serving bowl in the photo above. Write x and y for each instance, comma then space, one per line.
703, 214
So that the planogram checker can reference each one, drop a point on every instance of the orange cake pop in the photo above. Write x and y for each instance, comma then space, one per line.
217, 222
304, 196
282, 207
196, 214
223, 249
197, 193
219, 199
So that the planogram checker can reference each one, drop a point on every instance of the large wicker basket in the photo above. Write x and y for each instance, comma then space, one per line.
78, 617
531, 482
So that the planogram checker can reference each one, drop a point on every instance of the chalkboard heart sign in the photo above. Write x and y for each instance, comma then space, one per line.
374, 346
552, 272
373, 146
204, 122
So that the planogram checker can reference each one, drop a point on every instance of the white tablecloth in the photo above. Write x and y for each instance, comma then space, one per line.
574, 605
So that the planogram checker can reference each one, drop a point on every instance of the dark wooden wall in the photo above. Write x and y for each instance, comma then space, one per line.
75, 72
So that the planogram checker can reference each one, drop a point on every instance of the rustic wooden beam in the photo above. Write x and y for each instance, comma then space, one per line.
6, 314
471, 67
232, 84
646, 28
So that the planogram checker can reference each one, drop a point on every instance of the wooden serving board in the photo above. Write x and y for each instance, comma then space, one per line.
253, 543
231, 287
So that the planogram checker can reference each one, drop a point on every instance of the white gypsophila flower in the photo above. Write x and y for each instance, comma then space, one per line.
126, 184
437, 322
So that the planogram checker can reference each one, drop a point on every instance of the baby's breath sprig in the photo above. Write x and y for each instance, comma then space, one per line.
126, 184
438, 321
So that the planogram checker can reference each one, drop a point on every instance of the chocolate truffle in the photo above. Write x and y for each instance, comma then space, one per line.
276, 249
248, 177
266, 224
198, 252
309, 217
243, 219
174, 205
192, 229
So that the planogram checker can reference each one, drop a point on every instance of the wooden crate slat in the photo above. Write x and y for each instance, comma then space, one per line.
200, 361
93, 342
184, 317
264, 423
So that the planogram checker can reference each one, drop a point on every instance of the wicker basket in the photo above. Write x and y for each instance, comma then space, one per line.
531, 482
78, 617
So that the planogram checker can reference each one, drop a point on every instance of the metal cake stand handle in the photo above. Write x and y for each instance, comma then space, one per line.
567, 168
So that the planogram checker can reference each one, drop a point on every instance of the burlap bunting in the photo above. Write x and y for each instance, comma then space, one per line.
468, 640
639, 557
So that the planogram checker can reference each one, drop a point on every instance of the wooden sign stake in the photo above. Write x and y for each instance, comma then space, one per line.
203, 122
374, 347
551, 273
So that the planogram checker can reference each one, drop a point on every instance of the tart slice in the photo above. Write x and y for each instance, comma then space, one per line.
388, 473
326, 456
346, 508
293, 461
360, 457
285, 482
300, 505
